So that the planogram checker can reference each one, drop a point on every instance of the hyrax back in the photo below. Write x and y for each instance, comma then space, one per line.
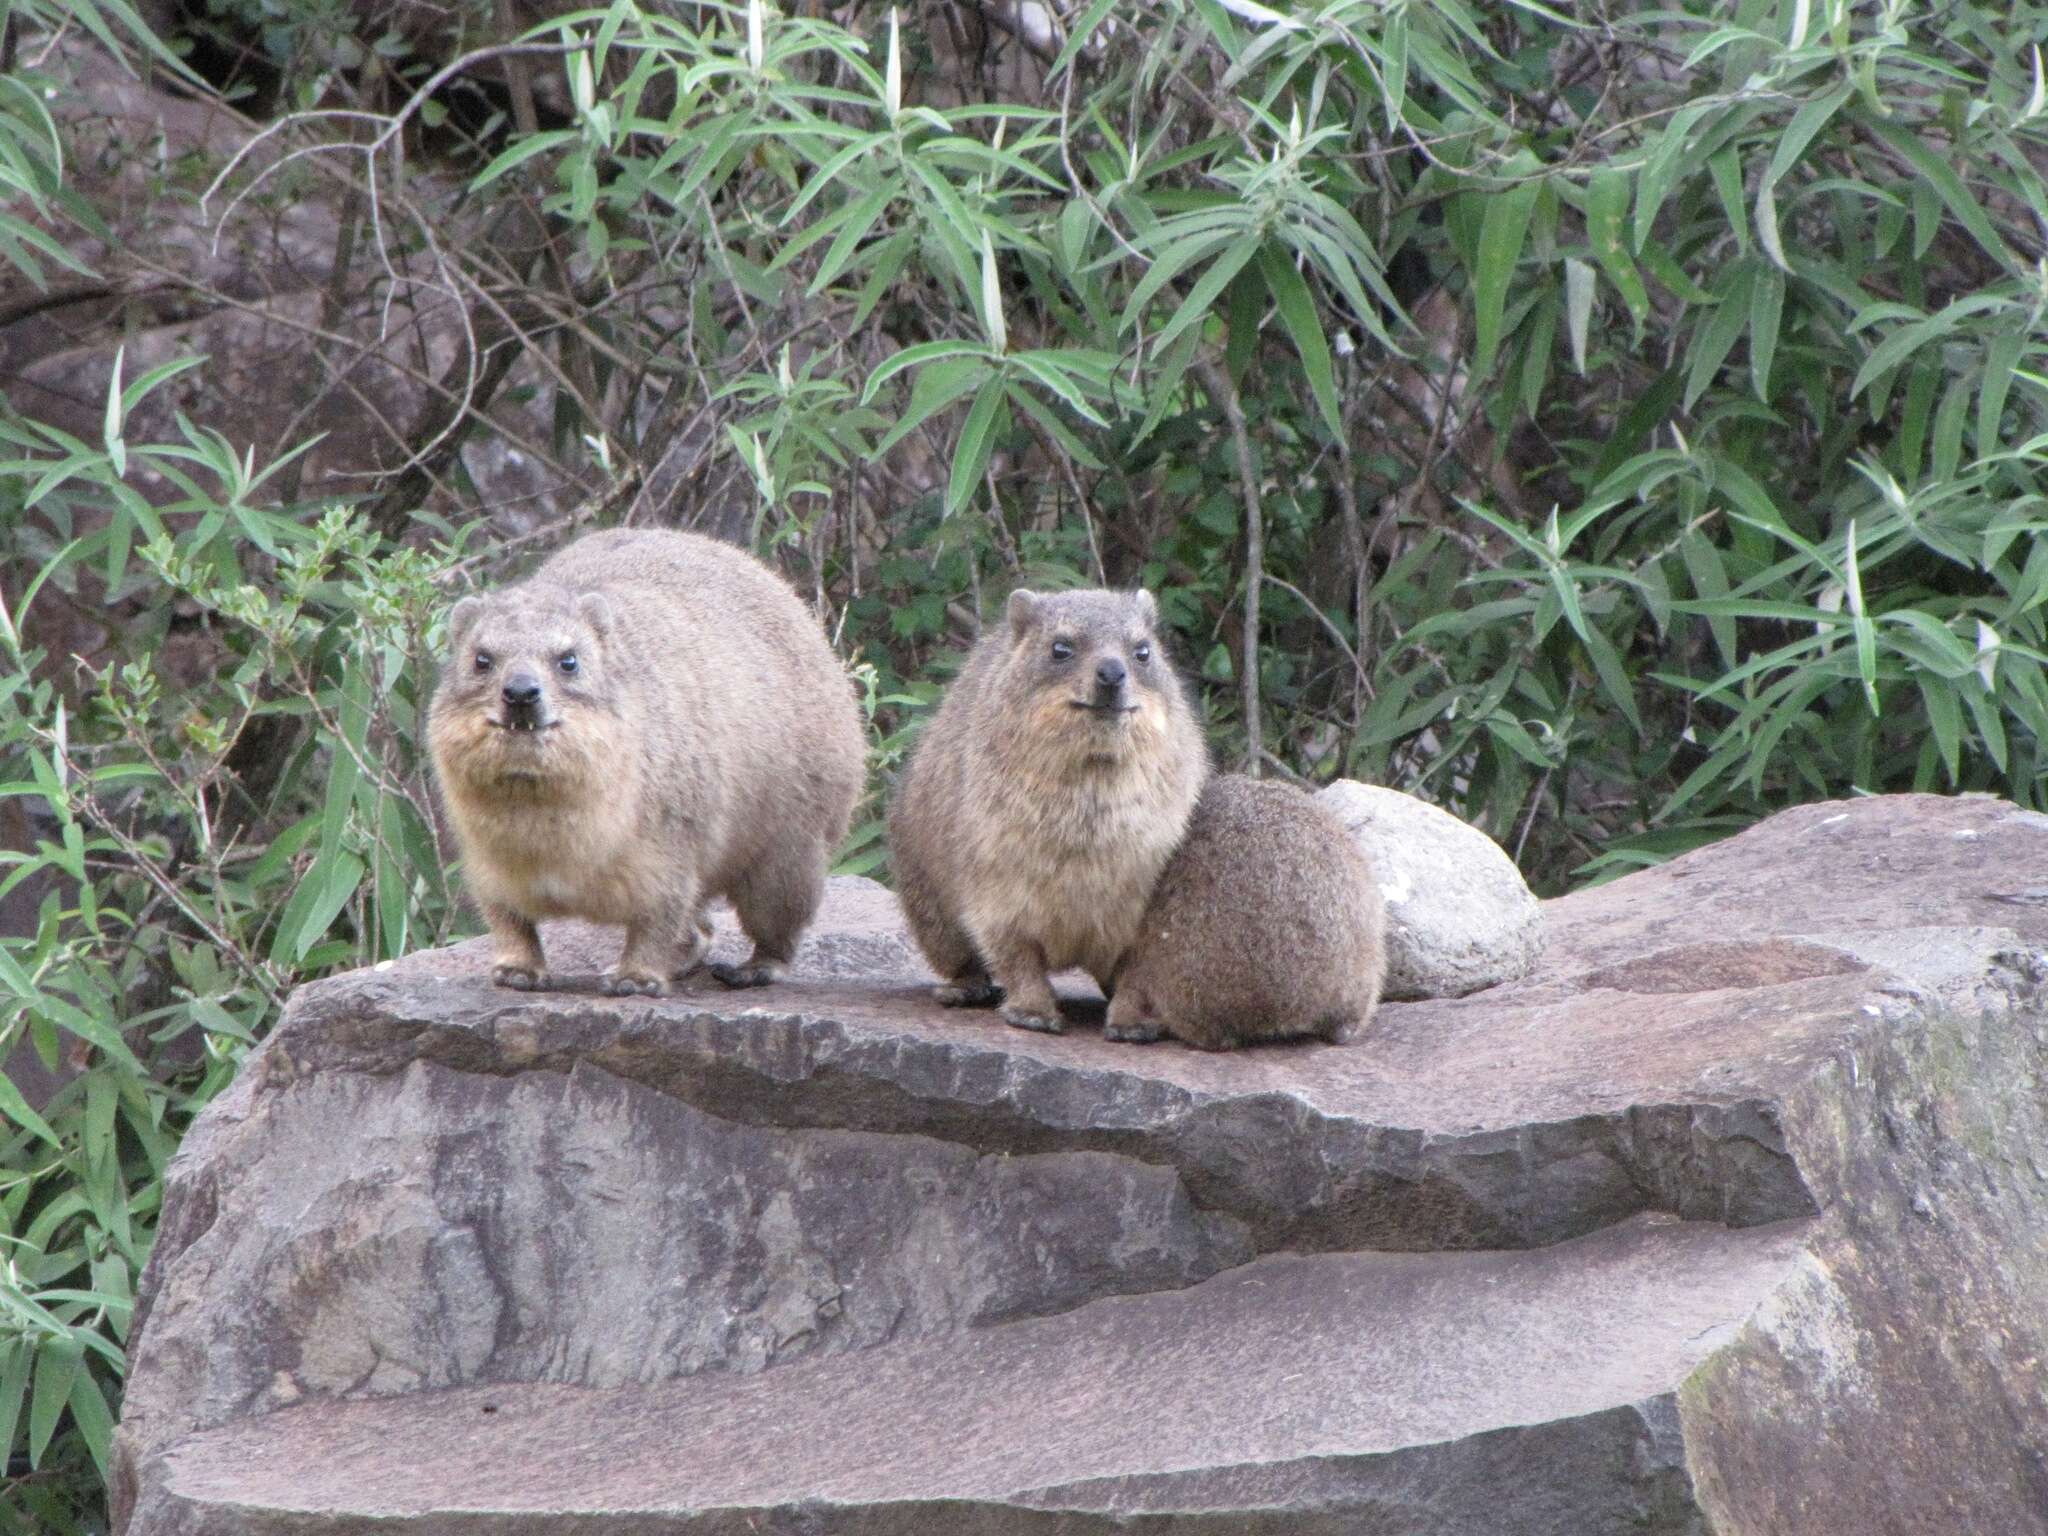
653, 720
1266, 924
1047, 793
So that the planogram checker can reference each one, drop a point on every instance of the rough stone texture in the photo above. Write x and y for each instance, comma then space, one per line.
830, 1258
1364, 1391
1459, 916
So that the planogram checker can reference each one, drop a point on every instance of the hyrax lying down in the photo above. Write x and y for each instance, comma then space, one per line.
1266, 924
652, 720
1044, 798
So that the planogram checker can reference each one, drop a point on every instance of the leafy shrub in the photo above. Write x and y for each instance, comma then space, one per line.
201, 843
1750, 292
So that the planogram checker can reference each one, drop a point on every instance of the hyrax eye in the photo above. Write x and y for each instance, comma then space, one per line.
1061, 651
483, 661
567, 662
1143, 650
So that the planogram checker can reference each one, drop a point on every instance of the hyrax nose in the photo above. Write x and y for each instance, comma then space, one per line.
521, 690
1109, 672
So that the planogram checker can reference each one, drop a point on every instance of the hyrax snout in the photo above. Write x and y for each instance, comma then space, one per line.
652, 721
1266, 924
1044, 797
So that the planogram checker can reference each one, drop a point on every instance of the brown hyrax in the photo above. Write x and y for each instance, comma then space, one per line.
652, 720
1266, 924
1049, 790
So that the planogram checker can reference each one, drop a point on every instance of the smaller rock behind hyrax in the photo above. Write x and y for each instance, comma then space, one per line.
1459, 915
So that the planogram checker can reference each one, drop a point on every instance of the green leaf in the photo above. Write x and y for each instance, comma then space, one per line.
1948, 428
1298, 313
1767, 226
316, 903
1613, 676
1502, 231
1713, 342
1578, 309
1945, 718
1726, 169
1174, 259
938, 385
94, 1419
521, 152
1607, 200
1947, 185
1983, 705
914, 356
16, 1356
1806, 122
117, 448
1766, 306
970, 454
58, 1360
2001, 358
1195, 308
16, 1108
1866, 632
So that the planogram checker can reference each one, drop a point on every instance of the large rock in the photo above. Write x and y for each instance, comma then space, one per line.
1732, 1235
1459, 915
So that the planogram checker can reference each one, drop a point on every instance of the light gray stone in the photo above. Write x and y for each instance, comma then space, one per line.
1459, 915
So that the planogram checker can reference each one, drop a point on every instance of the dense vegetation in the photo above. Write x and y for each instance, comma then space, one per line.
1611, 423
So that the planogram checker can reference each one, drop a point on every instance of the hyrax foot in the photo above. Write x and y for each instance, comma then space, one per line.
1129, 1023
620, 982
521, 978
755, 973
1132, 1031
1047, 1022
971, 993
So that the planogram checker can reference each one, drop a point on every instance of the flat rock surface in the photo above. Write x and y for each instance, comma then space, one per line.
1303, 1378
1644, 1065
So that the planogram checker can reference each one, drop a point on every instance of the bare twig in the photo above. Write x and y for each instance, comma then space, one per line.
1217, 382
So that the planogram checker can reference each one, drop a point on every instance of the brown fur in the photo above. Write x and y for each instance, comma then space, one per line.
1029, 827
707, 744
1267, 924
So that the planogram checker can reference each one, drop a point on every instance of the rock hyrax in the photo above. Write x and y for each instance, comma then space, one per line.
1266, 924
652, 720
1048, 791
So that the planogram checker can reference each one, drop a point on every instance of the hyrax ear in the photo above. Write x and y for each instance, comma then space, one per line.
593, 610
1022, 611
1148, 608
461, 620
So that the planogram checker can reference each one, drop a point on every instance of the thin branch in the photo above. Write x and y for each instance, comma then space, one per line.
1217, 382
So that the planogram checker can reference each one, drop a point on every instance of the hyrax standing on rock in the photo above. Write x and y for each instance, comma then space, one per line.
1266, 924
1048, 792
652, 720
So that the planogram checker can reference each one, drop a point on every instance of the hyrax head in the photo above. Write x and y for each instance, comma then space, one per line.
522, 661
1092, 660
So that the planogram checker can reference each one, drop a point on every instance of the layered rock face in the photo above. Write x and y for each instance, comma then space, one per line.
1731, 1217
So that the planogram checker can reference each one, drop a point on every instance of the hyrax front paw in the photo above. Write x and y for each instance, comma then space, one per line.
1128, 1022
1131, 1031
981, 993
519, 976
619, 982
1047, 1022
755, 973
